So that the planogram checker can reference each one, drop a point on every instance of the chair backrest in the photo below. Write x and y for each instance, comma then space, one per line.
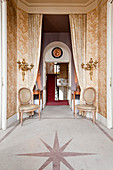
89, 95
24, 95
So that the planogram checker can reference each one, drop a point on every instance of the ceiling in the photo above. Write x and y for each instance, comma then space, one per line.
57, 6
56, 23
57, 1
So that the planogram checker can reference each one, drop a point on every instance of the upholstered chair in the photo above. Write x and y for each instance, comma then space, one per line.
25, 103
89, 96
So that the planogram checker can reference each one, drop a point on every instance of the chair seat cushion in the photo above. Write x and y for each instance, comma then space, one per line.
86, 107
27, 107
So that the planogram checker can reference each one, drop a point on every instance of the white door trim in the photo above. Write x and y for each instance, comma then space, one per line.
109, 65
4, 64
0, 64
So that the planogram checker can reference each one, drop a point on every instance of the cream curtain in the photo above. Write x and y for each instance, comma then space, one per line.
78, 26
35, 32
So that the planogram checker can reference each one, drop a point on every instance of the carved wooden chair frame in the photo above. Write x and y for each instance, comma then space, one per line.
28, 110
86, 110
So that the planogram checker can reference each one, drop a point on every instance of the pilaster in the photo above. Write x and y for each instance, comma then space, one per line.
0, 64
4, 64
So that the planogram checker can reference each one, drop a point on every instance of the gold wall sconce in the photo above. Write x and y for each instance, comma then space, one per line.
24, 67
90, 66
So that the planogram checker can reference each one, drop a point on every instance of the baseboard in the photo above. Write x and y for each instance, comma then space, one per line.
11, 120
101, 119
14, 118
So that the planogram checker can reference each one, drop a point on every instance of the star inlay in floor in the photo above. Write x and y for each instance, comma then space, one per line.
56, 154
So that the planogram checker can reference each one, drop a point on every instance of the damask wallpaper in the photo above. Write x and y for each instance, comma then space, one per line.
11, 59
102, 58
22, 45
96, 48
17, 45
92, 48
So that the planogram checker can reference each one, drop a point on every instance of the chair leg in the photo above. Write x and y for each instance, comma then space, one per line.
32, 113
75, 112
83, 114
94, 114
39, 113
21, 118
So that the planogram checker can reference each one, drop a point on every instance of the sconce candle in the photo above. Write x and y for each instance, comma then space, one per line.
24, 67
90, 66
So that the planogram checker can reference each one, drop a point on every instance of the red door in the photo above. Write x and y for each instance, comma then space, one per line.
50, 87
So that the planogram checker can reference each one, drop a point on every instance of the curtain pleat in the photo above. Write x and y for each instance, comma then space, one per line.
78, 26
35, 34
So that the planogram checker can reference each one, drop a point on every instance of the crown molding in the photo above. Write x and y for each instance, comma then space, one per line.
57, 8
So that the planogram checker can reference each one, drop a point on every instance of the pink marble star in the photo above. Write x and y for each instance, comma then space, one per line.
56, 155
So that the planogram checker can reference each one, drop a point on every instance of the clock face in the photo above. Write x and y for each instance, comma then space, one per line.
57, 52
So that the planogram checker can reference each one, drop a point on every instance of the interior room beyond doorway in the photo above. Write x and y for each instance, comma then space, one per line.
57, 83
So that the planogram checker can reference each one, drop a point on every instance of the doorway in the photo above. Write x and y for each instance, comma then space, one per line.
57, 66
56, 37
57, 83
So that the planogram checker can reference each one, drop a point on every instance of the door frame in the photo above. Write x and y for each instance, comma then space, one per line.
109, 64
0, 65
3, 65
45, 79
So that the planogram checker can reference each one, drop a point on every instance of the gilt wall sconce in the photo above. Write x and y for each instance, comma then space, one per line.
90, 66
24, 67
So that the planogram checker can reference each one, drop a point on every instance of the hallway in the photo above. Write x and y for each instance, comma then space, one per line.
57, 112
36, 144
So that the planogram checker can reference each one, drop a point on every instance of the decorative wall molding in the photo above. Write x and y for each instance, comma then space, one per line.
57, 8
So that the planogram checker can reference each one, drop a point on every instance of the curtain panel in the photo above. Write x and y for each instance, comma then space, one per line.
35, 34
78, 26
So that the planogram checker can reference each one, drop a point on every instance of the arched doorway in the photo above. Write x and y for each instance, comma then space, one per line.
63, 60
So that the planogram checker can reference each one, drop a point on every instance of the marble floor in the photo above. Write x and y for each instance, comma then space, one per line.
56, 142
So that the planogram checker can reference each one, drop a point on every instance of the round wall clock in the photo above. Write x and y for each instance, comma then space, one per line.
57, 52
